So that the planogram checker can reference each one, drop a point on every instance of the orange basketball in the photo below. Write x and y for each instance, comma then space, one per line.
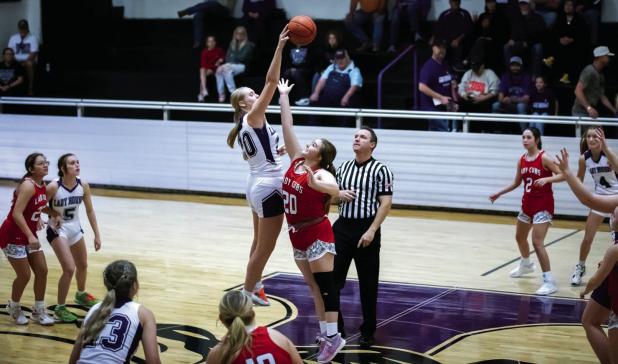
302, 30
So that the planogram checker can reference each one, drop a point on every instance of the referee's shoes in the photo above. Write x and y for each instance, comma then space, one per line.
366, 342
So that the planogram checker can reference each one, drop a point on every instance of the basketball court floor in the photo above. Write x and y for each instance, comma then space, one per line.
445, 294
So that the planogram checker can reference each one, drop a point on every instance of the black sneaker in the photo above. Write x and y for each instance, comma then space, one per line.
366, 342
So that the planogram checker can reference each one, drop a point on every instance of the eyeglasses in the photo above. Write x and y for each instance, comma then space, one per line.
44, 163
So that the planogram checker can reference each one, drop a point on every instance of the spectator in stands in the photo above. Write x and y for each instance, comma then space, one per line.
479, 87
415, 11
568, 43
526, 36
455, 26
542, 102
369, 11
590, 10
548, 9
339, 84
590, 88
26, 48
515, 88
491, 33
237, 60
256, 14
212, 57
11, 74
199, 11
437, 85
299, 68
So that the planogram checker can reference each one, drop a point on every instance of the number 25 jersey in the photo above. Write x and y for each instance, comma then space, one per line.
535, 198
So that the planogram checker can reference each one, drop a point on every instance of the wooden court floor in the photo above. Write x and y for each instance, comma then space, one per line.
190, 249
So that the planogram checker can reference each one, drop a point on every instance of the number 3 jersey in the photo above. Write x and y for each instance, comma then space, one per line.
10, 233
259, 147
119, 338
535, 198
605, 179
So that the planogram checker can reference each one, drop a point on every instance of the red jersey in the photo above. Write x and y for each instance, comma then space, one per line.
302, 203
210, 57
263, 350
535, 199
10, 233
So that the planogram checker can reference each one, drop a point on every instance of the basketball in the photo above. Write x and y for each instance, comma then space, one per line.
302, 30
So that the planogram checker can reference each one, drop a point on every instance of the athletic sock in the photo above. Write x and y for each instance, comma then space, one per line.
582, 263
258, 286
323, 327
14, 304
247, 293
80, 293
331, 329
548, 277
39, 305
525, 261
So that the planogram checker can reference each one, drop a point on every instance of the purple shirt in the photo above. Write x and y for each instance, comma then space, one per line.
437, 77
515, 85
542, 103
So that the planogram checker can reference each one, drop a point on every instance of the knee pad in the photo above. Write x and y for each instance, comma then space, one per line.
328, 290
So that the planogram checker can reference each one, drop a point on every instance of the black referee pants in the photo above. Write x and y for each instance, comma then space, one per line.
367, 261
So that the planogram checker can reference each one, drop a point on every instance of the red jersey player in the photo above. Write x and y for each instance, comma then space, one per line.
308, 186
246, 344
20, 244
538, 172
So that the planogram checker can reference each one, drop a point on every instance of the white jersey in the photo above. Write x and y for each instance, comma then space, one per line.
119, 338
66, 201
259, 147
605, 178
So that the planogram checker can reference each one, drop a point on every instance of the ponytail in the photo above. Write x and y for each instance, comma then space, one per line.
237, 96
92, 328
235, 312
328, 152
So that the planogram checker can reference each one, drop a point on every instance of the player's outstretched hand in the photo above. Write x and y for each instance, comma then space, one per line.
284, 87
283, 37
563, 160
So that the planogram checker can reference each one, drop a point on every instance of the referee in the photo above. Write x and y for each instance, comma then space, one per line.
365, 198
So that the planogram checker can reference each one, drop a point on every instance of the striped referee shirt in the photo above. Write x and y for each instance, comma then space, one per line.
370, 180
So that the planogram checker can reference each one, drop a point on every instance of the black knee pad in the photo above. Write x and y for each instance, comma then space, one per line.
328, 290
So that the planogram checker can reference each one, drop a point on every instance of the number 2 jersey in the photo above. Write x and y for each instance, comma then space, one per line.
302, 204
263, 350
259, 147
119, 338
605, 179
10, 233
535, 199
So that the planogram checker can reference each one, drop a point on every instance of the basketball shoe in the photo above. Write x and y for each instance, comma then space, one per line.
547, 288
64, 315
16, 314
259, 297
330, 348
578, 273
85, 299
40, 316
522, 269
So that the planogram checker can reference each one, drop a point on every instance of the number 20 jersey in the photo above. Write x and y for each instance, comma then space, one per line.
119, 338
605, 179
259, 147
535, 199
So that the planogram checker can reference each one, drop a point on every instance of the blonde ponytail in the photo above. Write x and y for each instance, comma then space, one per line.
237, 96
236, 312
92, 328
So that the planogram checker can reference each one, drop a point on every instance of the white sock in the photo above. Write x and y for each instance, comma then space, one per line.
582, 263
525, 261
331, 329
247, 293
39, 305
323, 327
548, 277
80, 292
14, 304
258, 286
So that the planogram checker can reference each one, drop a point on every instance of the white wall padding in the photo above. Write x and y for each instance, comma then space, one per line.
452, 170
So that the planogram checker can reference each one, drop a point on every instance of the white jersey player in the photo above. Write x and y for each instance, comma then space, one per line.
259, 143
65, 235
113, 329
601, 162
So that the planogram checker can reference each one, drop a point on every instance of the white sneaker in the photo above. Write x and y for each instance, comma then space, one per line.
578, 273
16, 314
522, 269
302, 102
547, 288
41, 317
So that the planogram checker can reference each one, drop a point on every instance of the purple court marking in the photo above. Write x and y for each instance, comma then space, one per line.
419, 318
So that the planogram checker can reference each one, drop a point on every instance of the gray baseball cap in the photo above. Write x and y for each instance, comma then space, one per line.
602, 51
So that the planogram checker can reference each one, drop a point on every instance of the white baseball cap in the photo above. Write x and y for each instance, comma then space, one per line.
602, 51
